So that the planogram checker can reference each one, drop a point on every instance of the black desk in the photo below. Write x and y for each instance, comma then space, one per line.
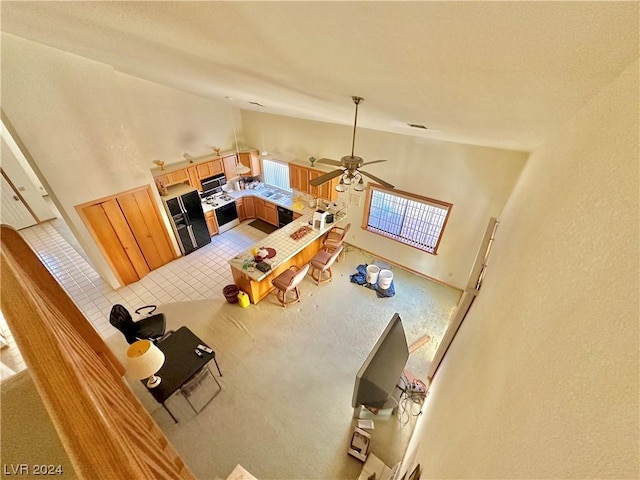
180, 364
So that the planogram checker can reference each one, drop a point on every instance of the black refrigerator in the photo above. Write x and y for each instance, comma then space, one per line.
187, 217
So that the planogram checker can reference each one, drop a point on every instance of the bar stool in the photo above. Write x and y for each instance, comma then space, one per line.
335, 238
321, 263
288, 281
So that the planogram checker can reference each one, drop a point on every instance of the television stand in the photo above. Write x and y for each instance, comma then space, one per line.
388, 410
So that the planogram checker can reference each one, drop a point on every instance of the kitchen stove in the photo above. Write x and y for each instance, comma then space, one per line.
218, 200
224, 207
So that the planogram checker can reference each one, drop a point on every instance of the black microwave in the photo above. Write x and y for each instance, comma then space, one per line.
214, 184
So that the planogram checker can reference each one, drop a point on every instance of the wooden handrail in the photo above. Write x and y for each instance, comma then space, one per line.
105, 430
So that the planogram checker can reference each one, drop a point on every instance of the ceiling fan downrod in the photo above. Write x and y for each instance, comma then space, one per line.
357, 101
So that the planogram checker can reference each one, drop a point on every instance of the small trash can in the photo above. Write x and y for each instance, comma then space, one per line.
243, 299
372, 274
385, 278
231, 293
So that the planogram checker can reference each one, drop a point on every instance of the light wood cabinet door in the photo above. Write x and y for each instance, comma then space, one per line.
147, 228
179, 176
240, 207
212, 224
271, 213
315, 191
128, 229
299, 178
113, 245
208, 169
249, 207
194, 181
229, 166
251, 160
261, 211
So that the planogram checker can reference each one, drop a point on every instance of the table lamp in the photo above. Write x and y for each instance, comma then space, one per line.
144, 359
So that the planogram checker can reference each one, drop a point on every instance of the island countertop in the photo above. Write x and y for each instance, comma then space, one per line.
285, 246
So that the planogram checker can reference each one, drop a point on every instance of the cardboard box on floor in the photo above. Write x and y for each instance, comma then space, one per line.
375, 468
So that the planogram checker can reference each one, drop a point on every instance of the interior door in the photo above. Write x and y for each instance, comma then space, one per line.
107, 239
147, 228
128, 229
14, 212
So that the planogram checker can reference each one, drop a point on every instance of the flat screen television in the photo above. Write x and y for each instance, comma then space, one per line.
381, 371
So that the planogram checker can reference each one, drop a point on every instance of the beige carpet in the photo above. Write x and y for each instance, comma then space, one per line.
23, 414
285, 408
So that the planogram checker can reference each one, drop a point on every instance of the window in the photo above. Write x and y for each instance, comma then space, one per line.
276, 174
410, 219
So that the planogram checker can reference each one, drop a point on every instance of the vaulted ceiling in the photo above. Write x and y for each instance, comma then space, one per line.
500, 74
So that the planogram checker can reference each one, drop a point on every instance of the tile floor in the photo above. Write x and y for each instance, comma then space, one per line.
201, 274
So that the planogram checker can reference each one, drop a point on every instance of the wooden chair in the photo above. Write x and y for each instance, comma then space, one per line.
321, 263
288, 281
335, 238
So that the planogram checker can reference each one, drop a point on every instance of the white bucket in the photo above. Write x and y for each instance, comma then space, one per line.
384, 279
372, 273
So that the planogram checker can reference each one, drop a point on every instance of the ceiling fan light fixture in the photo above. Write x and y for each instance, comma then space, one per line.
341, 187
359, 187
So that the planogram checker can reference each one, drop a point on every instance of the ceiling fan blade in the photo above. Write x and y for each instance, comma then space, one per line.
371, 163
328, 161
379, 180
316, 182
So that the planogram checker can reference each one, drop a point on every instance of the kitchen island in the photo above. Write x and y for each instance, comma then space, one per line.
288, 251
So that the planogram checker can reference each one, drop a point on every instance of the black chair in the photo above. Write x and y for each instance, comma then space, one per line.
150, 328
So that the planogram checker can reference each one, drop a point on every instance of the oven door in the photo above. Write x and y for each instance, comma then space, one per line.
226, 214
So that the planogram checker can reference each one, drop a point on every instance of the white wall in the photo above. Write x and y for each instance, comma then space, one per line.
542, 379
92, 131
476, 180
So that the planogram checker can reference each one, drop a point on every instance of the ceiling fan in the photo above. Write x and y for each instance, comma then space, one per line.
349, 166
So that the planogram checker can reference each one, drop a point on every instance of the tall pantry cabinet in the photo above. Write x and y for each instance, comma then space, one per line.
129, 230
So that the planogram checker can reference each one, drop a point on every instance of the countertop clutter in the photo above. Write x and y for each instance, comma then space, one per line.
284, 245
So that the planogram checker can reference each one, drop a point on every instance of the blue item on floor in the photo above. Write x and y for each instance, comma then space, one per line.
360, 277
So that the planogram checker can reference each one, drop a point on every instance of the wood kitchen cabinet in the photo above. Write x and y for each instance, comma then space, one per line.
240, 207
129, 230
266, 211
299, 177
271, 213
204, 170
212, 224
229, 166
208, 169
261, 212
173, 178
192, 174
249, 207
252, 160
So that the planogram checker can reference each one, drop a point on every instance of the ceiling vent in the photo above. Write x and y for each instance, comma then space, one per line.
415, 125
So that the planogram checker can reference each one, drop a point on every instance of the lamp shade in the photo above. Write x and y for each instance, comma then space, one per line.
144, 359
241, 169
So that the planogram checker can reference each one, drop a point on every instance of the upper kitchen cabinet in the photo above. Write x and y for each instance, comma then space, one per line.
299, 177
208, 169
229, 164
191, 173
247, 158
204, 170
252, 160
173, 178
